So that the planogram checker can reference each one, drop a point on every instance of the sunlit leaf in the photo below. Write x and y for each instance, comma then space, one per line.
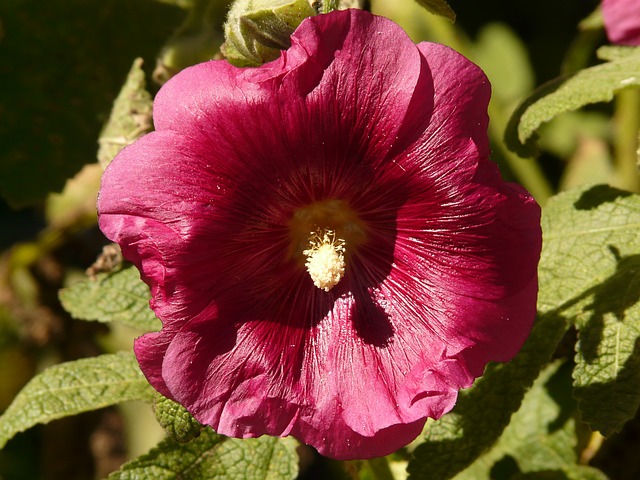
591, 85
503, 57
118, 296
439, 7
592, 248
212, 456
75, 387
176, 421
481, 414
130, 116
597, 239
541, 435
567, 472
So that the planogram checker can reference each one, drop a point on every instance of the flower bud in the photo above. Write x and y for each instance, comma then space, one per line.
257, 30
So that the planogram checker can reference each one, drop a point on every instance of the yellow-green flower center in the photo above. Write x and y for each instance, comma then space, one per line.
324, 235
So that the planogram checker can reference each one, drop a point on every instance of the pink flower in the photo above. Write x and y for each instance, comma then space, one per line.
622, 21
330, 250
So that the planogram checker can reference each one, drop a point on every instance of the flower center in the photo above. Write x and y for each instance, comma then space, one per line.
325, 259
319, 234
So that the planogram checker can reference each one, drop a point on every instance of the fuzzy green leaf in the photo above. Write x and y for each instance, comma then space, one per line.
597, 239
118, 296
591, 85
583, 230
75, 387
176, 420
130, 116
541, 435
213, 456
482, 412
594, 241
439, 7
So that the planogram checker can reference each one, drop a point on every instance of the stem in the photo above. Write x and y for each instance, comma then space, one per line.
595, 442
625, 141
525, 170
329, 6
380, 469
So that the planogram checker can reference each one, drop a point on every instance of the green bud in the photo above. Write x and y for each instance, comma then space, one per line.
257, 30
176, 420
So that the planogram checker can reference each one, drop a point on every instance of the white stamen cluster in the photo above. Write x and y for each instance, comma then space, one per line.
325, 259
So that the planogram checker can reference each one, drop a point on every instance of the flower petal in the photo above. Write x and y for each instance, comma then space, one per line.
443, 281
622, 21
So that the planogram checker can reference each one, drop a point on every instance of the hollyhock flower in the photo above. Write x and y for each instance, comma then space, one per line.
622, 21
330, 250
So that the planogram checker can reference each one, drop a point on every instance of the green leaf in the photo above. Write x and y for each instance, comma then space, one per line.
482, 412
54, 100
439, 7
130, 116
118, 296
75, 387
503, 57
579, 228
196, 40
213, 456
567, 472
176, 420
591, 85
593, 239
541, 434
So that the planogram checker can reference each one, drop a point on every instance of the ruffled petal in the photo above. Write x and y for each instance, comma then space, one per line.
444, 281
622, 21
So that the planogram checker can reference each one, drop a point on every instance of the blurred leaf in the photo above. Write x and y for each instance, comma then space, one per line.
63, 62
541, 434
212, 456
503, 57
16, 368
615, 52
591, 163
595, 84
118, 296
563, 135
75, 387
76, 205
198, 39
176, 421
130, 116
439, 7
256, 31
594, 240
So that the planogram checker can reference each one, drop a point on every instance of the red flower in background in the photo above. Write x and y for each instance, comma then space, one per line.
622, 21
330, 250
